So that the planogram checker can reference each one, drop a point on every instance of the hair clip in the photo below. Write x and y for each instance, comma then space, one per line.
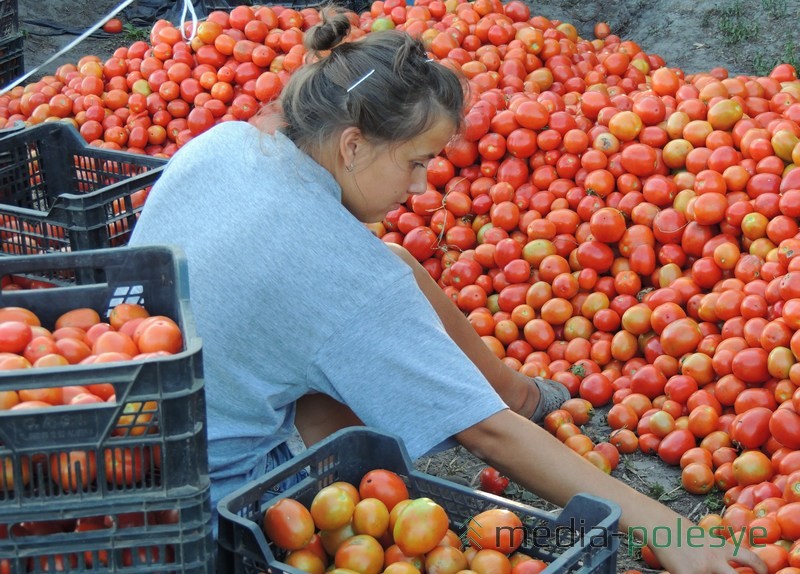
364, 77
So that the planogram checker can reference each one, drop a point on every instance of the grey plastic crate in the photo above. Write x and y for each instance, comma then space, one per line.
166, 397
349, 454
57, 193
12, 58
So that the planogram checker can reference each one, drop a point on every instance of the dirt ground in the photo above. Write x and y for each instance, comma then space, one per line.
744, 37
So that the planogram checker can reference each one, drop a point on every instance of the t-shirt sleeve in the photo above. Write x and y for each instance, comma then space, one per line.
394, 365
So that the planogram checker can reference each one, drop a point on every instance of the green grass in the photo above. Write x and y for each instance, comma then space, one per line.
738, 29
713, 502
734, 24
132, 33
775, 8
763, 65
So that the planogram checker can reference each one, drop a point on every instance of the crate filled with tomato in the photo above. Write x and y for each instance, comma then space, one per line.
103, 446
362, 507
57, 193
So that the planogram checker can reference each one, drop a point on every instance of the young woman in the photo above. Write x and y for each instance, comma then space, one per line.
310, 322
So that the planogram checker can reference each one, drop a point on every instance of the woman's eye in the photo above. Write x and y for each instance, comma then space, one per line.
423, 164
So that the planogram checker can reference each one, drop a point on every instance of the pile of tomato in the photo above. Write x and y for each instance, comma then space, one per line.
376, 527
632, 233
154, 97
603, 219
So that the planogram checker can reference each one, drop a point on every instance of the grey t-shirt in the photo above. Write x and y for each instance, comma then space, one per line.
292, 294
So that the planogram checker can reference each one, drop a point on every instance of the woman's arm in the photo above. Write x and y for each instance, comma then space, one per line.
539, 462
319, 415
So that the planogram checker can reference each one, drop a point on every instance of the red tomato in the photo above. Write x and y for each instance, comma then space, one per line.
791, 492
73, 471
360, 553
124, 312
788, 517
420, 527
384, 485
492, 481
751, 428
331, 508
421, 243
496, 529
752, 467
288, 524
160, 335
784, 425
81, 318
672, 446
14, 336
445, 558
125, 466
113, 26
596, 389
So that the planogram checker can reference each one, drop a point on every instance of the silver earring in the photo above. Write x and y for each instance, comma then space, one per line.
350, 167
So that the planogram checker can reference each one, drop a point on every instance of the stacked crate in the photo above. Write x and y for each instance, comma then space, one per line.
59, 194
11, 56
117, 486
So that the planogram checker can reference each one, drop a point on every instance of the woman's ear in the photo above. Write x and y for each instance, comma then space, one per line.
349, 143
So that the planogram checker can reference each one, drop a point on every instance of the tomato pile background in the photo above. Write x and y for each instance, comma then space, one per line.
615, 224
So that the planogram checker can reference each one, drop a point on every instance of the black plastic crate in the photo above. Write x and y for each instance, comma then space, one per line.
12, 58
207, 6
157, 425
9, 24
349, 454
170, 535
57, 193
9, 19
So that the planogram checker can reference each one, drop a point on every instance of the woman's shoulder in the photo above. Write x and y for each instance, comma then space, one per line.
222, 139
234, 131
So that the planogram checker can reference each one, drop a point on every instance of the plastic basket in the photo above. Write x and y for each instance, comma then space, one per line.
9, 6
11, 51
348, 454
171, 479
356, 6
130, 538
57, 193
9, 24
148, 446
9, 19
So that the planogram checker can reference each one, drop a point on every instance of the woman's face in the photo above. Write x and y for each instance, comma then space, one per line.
384, 176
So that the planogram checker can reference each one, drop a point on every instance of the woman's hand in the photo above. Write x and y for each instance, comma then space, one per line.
693, 550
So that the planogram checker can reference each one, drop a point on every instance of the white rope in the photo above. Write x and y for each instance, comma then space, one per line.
69, 46
188, 6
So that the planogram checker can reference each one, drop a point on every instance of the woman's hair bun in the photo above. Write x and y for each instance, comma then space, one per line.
330, 32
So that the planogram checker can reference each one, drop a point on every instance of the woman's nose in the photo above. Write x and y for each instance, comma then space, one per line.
419, 184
